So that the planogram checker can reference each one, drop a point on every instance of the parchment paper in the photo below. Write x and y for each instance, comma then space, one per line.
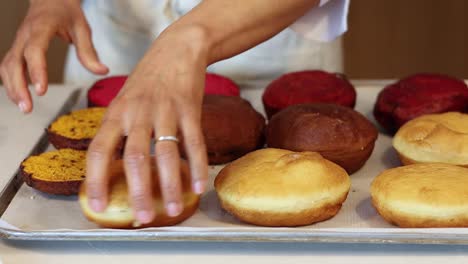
33, 210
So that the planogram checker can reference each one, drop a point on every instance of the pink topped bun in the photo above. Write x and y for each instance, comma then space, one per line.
105, 90
220, 85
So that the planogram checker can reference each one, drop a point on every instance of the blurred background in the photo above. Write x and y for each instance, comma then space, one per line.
386, 38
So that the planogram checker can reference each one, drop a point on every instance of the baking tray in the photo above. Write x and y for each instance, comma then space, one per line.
26, 214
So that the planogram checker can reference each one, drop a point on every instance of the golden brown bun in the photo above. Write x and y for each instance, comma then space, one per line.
423, 195
119, 214
338, 133
434, 138
276, 187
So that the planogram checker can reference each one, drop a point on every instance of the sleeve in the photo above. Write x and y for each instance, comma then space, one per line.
325, 22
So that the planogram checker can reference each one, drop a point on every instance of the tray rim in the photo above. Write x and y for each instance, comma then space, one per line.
288, 235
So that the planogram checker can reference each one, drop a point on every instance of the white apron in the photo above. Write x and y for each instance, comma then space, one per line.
123, 30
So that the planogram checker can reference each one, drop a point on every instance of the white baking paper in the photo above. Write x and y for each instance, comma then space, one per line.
31, 210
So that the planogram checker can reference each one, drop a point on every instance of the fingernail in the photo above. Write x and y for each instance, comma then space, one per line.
38, 88
174, 209
199, 187
22, 106
101, 66
144, 217
96, 205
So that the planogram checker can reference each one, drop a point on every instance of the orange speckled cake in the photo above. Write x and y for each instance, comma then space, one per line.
55, 172
76, 129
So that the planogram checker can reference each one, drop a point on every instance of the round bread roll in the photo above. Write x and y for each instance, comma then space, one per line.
434, 138
231, 128
119, 214
338, 133
423, 195
418, 95
308, 87
276, 187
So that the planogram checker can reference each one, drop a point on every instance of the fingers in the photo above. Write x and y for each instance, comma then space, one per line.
28, 51
168, 160
37, 68
98, 158
87, 54
138, 168
12, 71
35, 56
195, 148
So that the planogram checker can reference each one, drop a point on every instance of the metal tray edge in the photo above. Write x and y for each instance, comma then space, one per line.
12, 187
239, 236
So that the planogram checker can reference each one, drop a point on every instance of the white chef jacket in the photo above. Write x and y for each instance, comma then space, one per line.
123, 30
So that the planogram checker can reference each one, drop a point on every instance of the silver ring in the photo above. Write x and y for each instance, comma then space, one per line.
168, 138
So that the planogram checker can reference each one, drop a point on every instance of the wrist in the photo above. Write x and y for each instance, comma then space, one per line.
195, 38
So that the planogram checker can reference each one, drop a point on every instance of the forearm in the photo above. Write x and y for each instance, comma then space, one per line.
231, 27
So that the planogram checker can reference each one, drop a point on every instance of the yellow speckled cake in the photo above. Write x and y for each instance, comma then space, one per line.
76, 129
55, 172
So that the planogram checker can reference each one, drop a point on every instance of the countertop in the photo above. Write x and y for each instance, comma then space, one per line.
176, 252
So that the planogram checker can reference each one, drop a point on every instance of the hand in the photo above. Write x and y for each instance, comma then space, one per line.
162, 95
44, 20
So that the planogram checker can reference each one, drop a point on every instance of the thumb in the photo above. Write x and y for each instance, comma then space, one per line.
86, 52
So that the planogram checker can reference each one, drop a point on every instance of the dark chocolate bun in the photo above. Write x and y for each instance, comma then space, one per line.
418, 95
231, 127
338, 133
308, 87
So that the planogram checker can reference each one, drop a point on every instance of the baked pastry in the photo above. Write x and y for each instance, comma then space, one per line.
422, 195
434, 138
105, 90
220, 85
55, 172
276, 187
418, 95
119, 214
338, 133
231, 128
76, 129
308, 87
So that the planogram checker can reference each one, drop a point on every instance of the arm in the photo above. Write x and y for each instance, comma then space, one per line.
164, 94
233, 26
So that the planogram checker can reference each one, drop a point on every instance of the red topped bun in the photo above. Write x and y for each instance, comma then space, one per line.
417, 95
308, 87
220, 85
105, 90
